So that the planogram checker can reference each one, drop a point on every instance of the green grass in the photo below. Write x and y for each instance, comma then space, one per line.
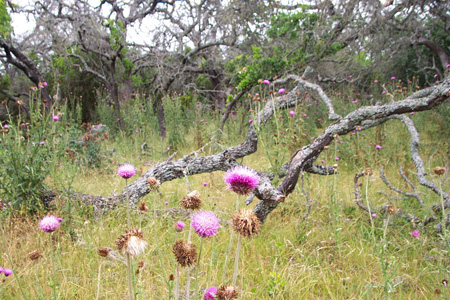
335, 254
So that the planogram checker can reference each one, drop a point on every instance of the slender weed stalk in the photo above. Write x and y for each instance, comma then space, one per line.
12, 264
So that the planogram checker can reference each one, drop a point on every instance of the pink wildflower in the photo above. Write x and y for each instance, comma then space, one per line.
49, 223
205, 223
241, 180
126, 171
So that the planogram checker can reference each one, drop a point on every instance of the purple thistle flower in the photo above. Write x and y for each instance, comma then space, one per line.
166, 203
42, 143
392, 78
55, 118
336, 158
415, 234
179, 226
6, 126
7, 272
205, 223
250, 121
266, 82
241, 180
378, 147
49, 223
126, 171
205, 183
210, 293
281, 91
292, 113
374, 215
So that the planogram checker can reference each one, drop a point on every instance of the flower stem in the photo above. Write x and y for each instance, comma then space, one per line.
236, 260
98, 279
197, 267
128, 204
177, 283
188, 280
130, 282
53, 266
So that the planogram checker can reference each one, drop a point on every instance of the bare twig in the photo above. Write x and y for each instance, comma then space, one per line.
415, 194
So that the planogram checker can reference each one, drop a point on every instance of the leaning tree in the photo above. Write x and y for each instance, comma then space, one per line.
302, 160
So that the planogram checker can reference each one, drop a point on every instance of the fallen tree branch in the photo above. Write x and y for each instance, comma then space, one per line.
302, 159
415, 194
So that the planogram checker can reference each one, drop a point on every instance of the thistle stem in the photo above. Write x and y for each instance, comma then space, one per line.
128, 204
98, 279
197, 267
236, 260
130, 282
188, 280
177, 283
53, 266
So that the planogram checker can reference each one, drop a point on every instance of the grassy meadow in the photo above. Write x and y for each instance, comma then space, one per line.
337, 252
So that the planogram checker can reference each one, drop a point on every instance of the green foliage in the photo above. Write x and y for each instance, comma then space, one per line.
5, 20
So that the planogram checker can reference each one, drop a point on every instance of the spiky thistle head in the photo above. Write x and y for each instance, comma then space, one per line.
153, 182
185, 253
246, 223
205, 223
227, 292
132, 242
34, 255
191, 201
126, 171
241, 180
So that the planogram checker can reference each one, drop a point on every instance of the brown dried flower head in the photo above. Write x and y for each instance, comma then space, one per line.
439, 170
185, 253
141, 266
326, 147
391, 210
368, 172
132, 242
227, 292
191, 201
103, 251
34, 255
143, 207
153, 182
246, 223
171, 277
19, 102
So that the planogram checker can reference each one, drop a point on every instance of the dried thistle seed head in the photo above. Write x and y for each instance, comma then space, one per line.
227, 292
103, 251
153, 182
391, 210
335, 167
185, 253
171, 277
34, 255
132, 242
326, 147
336, 136
368, 172
246, 223
191, 201
143, 207
439, 170
141, 264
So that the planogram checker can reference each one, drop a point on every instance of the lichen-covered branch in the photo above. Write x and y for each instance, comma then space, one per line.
415, 194
414, 149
